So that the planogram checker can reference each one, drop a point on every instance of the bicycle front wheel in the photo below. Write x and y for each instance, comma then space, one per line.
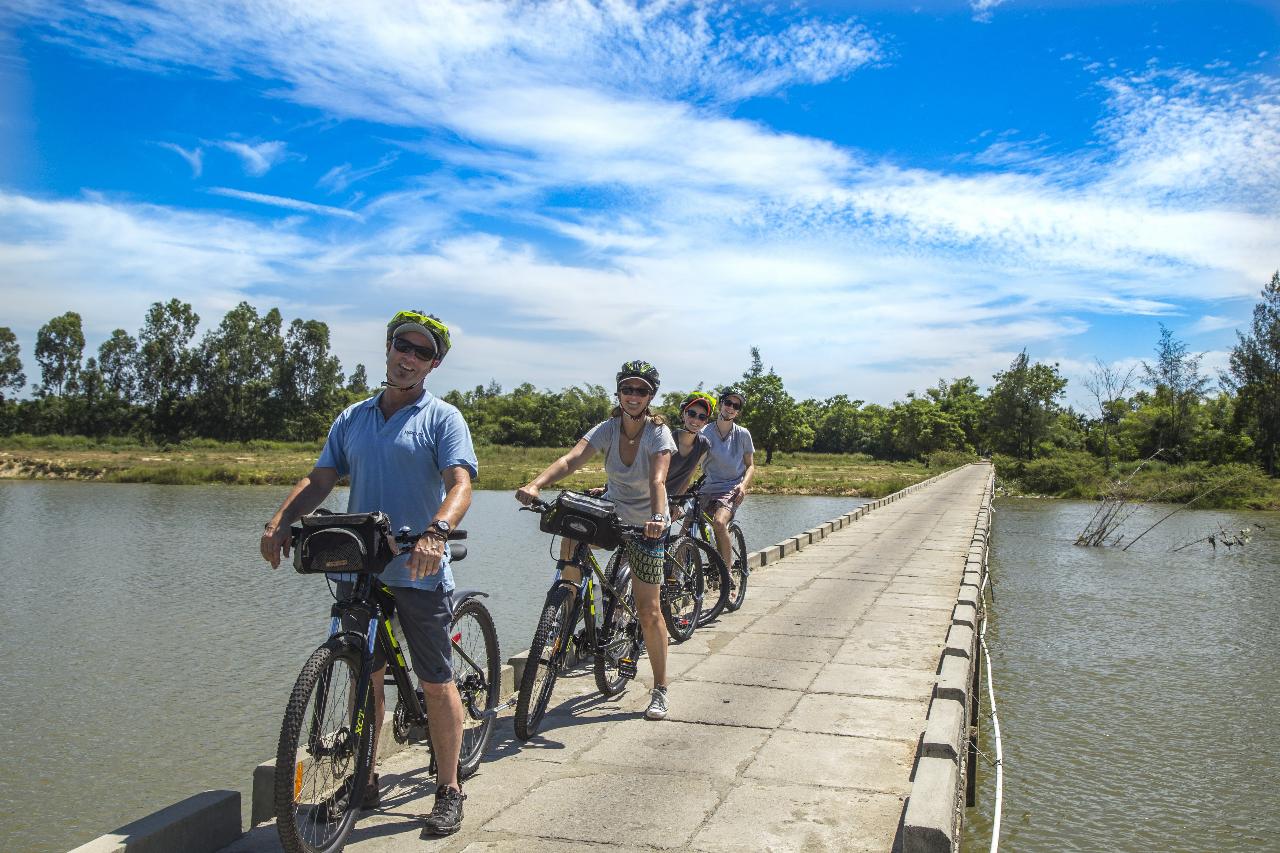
477, 671
325, 751
550, 642
682, 589
618, 637
738, 572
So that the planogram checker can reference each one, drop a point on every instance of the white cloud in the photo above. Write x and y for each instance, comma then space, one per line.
259, 157
809, 245
1183, 137
288, 203
194, 157
339, 178
982, 9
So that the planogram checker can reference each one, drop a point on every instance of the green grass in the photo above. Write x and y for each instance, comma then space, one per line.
501, 467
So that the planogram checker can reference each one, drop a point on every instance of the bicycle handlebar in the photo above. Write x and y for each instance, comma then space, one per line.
540, 506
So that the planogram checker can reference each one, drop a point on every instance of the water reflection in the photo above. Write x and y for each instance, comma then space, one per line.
1136, 689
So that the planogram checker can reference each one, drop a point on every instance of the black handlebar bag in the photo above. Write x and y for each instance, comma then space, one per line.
342, 542
584, 518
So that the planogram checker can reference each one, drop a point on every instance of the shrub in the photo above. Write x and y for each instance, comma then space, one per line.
945, 460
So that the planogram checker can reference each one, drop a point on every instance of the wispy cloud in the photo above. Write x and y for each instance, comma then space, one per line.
629, 106
339, 178
194, 157
287, 203
259, 157
982, 9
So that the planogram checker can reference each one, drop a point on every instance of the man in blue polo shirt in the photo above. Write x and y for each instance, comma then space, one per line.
408, 454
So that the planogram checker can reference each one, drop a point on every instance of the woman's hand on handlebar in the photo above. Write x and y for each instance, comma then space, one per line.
275, 540
654, 529
527, 494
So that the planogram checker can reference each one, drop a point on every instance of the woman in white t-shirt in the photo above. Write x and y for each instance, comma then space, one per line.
729, 465
637, 447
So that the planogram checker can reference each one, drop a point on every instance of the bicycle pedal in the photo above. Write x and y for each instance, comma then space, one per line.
627, 668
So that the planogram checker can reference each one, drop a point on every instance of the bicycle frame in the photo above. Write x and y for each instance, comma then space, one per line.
585, 589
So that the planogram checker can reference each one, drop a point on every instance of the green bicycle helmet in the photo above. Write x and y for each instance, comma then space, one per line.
427, 324
642, 370
699, 397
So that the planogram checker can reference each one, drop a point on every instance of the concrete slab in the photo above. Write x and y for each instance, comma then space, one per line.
859, 716
675, 747
730, 704
635, 815
894, 682
789, 818
905, 652
868, 764
753, 671
782, 646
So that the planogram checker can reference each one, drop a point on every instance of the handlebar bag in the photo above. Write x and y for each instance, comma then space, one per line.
584, 518
342, 542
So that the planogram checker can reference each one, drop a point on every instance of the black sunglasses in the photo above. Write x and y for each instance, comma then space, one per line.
633, 390
729, 404
696, 414
423, 353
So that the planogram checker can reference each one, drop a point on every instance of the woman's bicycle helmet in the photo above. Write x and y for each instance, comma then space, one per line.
699, 397
427, 324
642, 370
732, 392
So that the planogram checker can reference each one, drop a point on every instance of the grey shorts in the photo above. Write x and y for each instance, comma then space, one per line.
711, 503
424, 616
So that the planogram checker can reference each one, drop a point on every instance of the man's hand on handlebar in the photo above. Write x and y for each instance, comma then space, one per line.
424, 559
527, 494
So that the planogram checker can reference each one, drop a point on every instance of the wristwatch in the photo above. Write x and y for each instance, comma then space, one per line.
439, 529
657, 516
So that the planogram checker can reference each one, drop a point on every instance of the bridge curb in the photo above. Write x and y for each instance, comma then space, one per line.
934, 814
202, 823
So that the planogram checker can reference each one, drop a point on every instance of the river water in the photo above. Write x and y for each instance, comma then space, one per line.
1137, 690
149, 651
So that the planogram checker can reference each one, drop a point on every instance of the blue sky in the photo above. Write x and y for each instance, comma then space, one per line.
876, 194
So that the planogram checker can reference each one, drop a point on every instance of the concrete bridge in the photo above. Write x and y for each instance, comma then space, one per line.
833, 712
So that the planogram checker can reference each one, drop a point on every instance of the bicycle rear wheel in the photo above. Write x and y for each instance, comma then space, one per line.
682, 589
716, 582
738, 572
325, 751
477, 671
618, 637
550, 643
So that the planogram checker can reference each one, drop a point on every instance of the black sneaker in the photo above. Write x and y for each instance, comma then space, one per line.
446, 815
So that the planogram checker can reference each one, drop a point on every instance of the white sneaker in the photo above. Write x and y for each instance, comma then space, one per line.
657, 709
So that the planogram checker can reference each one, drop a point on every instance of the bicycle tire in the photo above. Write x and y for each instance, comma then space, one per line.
716, 582
335, 749
550, 642
681, 596
472, 628
618, 633
738, 572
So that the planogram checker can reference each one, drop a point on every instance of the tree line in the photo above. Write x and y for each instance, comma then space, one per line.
252, 378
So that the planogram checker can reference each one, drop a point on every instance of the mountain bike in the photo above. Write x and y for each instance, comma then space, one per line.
731, 581
325, 753
611, 636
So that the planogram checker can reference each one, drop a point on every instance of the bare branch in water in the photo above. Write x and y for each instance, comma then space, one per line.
1222, 536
